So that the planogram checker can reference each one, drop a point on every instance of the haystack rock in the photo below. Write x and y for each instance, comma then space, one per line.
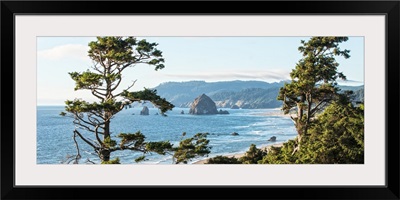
145, 111
203, 105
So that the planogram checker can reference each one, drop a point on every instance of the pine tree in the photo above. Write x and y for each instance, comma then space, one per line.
111, 56
313, 81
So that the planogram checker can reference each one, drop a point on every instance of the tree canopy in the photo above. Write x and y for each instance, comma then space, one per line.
336, 137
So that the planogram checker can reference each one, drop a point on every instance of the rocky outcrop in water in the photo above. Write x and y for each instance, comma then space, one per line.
224, 112
145, 111
203, 105
272, 139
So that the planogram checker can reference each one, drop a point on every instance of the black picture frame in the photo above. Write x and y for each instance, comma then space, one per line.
9, 9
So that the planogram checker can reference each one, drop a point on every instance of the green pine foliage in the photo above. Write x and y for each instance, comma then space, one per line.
223, 160
191, 148
336, 137
111, 162
253, 155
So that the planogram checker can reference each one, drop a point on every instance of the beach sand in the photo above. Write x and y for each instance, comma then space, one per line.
241, 154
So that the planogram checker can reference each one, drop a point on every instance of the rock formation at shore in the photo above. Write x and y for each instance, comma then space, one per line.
223, 112
272, 139
203, 105
145, 111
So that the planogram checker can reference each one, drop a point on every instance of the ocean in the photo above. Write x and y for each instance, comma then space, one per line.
254, 126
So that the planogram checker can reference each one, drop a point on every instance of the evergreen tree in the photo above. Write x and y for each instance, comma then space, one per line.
313, 81
111, 56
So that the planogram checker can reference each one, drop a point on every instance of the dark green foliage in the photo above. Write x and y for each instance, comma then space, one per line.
281, 155
109, 143
131, 139
149, 95
223, 160
191, 147
159, 147
336, 137
113, 161
253, 155
140, 159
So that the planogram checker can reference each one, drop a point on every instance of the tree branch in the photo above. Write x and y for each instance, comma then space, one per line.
94, 94
85, 140
78, 155
129, 87
129, 148
97, 136
119, 81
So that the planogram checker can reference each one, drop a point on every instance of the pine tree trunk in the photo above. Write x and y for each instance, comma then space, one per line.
105, 153
299, 127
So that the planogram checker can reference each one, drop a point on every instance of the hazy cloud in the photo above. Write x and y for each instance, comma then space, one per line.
65, 51
265, 75
350, 82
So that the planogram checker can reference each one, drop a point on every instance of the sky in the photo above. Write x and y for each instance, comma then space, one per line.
211, 59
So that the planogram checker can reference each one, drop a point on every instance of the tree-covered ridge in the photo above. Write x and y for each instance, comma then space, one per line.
245, 94
182, 94
250, 98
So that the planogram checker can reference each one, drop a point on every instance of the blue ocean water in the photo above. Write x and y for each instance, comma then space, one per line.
255, 126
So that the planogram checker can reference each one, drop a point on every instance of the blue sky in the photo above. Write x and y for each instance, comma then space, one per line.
268, 59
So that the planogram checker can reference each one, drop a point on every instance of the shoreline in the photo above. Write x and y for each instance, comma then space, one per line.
238, 155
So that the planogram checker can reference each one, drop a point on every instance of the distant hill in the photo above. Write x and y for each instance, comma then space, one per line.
243, 94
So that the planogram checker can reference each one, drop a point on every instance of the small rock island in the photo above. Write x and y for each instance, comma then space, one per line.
145, 111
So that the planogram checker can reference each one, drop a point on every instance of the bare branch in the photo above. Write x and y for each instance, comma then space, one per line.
129, 87
97, 136
119, 81
85, 140
78, 155
96, 95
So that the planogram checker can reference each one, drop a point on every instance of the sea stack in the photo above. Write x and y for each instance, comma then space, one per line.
145, 111
272, 139
203, 105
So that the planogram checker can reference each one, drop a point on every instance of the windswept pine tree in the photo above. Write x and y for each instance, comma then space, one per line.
313, 81
111, 56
